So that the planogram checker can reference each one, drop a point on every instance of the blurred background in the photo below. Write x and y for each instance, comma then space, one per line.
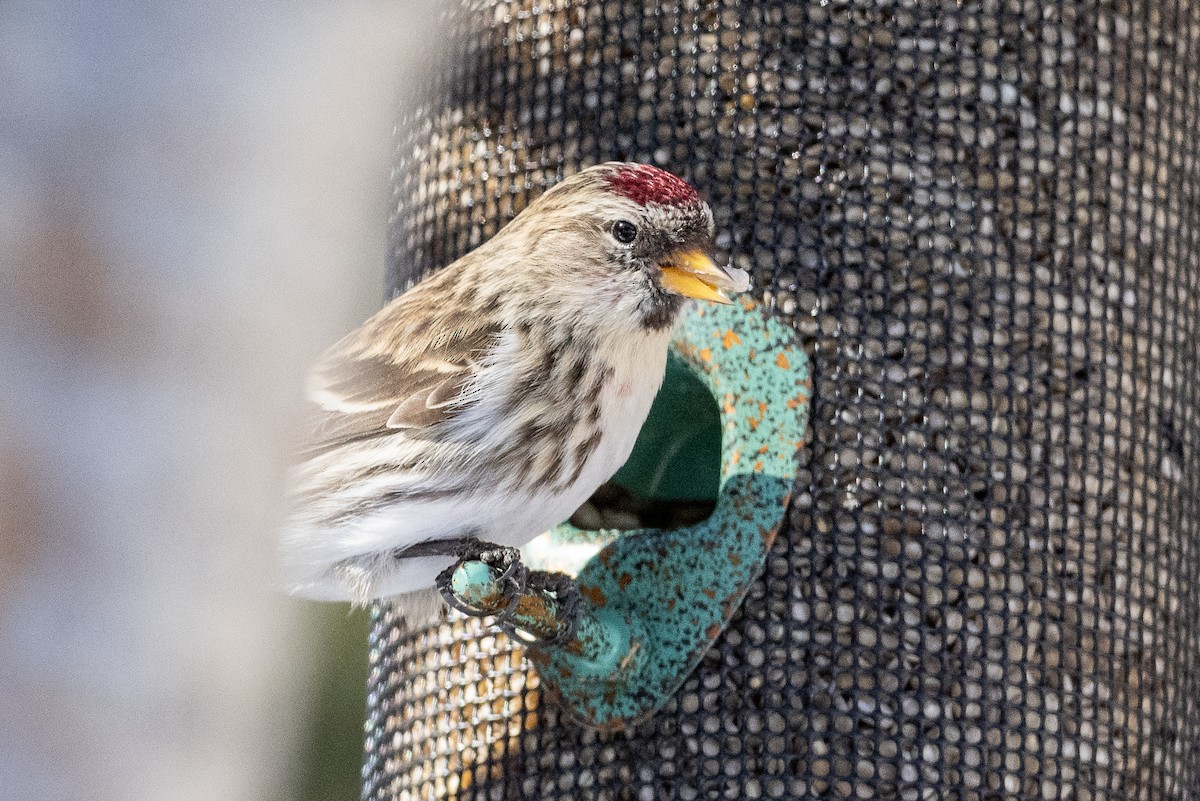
193, 200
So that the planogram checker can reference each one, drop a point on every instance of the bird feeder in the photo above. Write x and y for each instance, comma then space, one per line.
979, 219
647, 604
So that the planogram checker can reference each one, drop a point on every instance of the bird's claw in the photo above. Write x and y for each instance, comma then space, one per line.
557, 618
500, 557
486, 580
491, 580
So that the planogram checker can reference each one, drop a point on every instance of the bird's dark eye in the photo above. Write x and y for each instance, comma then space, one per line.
624, 231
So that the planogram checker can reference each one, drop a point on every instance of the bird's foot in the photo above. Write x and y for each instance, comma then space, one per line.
554, 618
487, 579
530, 605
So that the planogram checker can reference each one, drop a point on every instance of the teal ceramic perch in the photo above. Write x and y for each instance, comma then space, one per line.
650, 602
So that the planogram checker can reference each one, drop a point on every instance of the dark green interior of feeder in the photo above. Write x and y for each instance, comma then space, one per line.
678, 452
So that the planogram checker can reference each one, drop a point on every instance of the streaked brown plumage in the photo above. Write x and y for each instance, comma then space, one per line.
494, 396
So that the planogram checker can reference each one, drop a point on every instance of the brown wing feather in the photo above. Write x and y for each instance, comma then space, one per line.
365, 392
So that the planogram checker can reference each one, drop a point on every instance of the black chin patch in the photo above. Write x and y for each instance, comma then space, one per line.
660, 310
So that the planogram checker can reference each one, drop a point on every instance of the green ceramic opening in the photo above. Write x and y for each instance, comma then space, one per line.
673, 476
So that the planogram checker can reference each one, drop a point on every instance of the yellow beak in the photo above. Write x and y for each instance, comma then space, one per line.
694, 275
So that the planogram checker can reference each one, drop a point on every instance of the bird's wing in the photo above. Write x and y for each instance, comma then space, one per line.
363, 393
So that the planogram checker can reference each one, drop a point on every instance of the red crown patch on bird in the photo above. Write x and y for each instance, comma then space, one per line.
644, 184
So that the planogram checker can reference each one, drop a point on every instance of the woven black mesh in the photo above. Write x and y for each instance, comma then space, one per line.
983, 217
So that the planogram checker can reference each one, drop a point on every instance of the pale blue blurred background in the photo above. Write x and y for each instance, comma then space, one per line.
193, 200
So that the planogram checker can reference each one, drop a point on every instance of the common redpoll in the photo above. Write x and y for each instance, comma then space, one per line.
491, 399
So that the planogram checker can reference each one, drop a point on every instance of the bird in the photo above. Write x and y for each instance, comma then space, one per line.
488, 401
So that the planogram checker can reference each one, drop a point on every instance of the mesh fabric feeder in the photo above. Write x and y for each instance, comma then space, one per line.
982, 222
